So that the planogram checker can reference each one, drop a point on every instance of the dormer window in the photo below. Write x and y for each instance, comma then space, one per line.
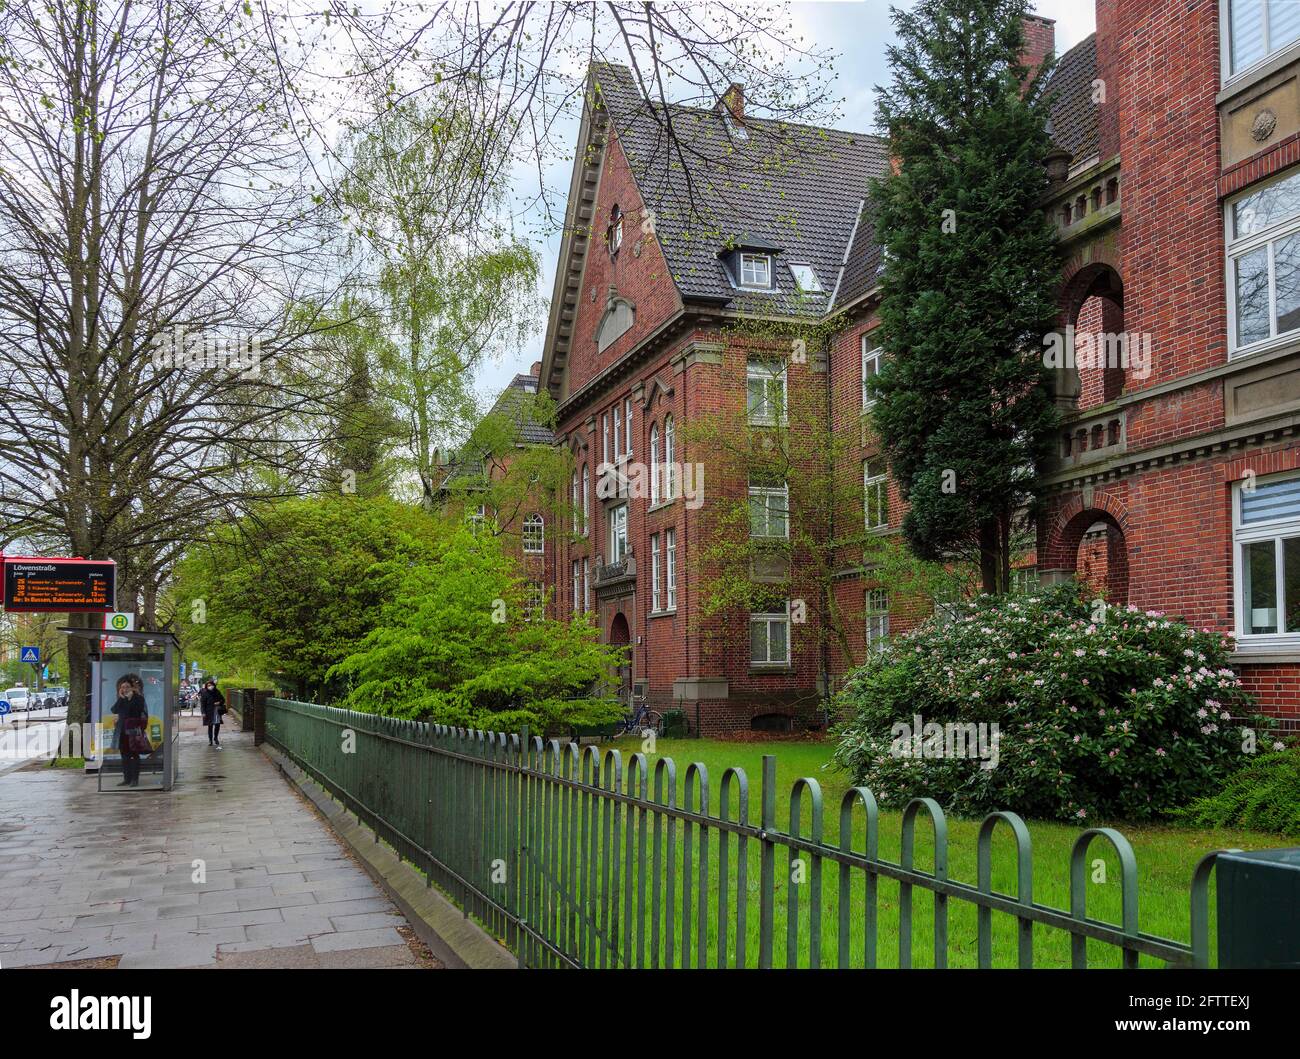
756, 271
614, 234
805, 279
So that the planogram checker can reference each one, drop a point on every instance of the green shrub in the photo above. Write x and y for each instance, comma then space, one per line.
1089, 712
674, 723
1262, 796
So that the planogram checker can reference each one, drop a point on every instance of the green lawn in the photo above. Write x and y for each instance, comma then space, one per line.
1166, 856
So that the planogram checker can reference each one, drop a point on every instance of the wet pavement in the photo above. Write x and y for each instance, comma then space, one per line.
231, 868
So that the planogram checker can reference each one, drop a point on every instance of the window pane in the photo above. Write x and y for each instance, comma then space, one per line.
777, 503
1283, 23
757, 515
1271, 502
778, 631
1260, 560
1252, 297
1247, 33
1267, 207
755, 397
758, 641
1286, 269
1291, 582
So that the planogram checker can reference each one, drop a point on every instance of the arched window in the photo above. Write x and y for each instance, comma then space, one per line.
614, 236
534, 534
670, 460
654, 463
577, 511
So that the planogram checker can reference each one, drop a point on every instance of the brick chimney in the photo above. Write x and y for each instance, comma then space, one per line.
1109, 35
733, 99
1040, 41
536, 370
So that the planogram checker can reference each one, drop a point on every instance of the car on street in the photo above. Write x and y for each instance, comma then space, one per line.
19, 699
53, 696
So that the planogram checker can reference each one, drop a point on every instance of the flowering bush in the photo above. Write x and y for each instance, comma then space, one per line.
1090, 713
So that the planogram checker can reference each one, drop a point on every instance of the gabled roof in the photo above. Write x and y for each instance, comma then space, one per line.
1073, 123
516, 405
715, 184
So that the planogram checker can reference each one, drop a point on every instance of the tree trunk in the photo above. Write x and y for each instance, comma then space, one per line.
990, 557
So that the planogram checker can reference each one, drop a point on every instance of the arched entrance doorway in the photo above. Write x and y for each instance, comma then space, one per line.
621, 636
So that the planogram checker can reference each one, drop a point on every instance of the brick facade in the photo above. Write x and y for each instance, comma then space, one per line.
1140, 501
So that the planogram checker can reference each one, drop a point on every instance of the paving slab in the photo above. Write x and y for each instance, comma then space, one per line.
89, 876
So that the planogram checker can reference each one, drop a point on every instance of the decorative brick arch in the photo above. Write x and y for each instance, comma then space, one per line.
1090, 275
1096, 277
1060, 554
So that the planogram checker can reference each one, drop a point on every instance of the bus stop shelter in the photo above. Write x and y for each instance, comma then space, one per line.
147, 661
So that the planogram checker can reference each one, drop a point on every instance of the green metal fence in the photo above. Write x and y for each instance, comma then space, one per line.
574, 858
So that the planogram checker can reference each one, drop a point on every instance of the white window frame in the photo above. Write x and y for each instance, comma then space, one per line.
654, 573
875, 603
1225, 45
1277, 530
615, 232
534, 537
1237, 248
577, 585
616, 521
768, 619
767, 493
877, 484
759, 371
586, 500
618, 433
870, 355
534, 601
655, 468
670, 569
604, 436
577, 511
627, 427
753, 260
1025, 580
586, 585
816, 284
477, 519
670, 456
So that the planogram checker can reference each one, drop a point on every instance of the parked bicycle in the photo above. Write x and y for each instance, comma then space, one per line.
641, 720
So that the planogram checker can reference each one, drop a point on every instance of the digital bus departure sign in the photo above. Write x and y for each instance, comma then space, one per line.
37, 585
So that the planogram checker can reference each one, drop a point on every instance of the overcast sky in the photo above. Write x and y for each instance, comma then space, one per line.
858, 31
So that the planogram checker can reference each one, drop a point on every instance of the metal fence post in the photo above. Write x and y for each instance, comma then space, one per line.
767, 864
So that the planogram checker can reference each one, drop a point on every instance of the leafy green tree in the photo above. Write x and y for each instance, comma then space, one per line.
359, 430
455, 286
294, 587
461, 644
963, 406
806, 525
496, 468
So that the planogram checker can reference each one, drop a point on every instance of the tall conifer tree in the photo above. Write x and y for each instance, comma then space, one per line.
963, 408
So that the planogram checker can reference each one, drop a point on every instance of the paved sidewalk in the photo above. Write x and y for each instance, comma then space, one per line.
87, 876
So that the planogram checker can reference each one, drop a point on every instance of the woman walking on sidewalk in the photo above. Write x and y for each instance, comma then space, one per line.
213, 705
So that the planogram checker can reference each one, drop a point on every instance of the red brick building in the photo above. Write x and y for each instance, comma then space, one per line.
524, 520
1176, 190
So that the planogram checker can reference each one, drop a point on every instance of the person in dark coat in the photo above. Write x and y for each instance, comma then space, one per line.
213, 705
132, 734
